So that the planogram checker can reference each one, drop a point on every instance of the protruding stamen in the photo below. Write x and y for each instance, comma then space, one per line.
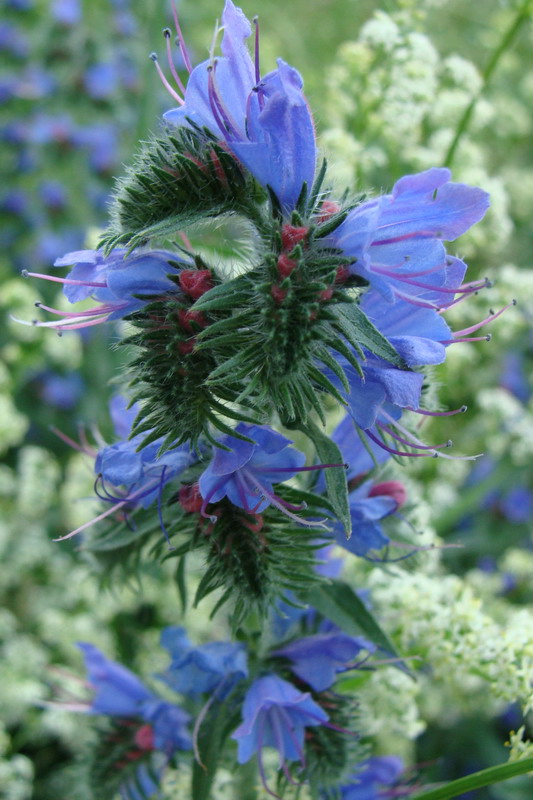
492, 316
183, 46
221, 114
92, 521
394, 452
257, 67
179, 82
404, 237
306, 469
486, 338
427, 413
410, 444
66, 281
284, 507
164, 81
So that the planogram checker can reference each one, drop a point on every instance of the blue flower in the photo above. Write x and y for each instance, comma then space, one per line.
266, 122
275, 714
120, 693
142, 472
372, 778
213, 667
319, 658
366, 512
245, 473
397, 239
114, 281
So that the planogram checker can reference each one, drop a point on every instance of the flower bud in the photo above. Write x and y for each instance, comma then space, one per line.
196, 282
393, 489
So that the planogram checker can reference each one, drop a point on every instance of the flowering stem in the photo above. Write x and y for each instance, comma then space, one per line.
522, 15
486, 777
246, 781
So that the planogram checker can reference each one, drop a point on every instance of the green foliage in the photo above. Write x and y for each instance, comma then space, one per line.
255, 559
181, 176
339, 603
115, 759
331, 752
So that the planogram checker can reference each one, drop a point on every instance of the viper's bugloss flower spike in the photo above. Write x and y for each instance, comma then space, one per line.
276, 714
115, 281
265, 122
396, 240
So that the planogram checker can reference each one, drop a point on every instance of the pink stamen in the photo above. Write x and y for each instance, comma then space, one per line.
92, 521
463, 289
415, 301
404, 237
426, 413
103, 309
284, 507
410, 444
55, 279
486, 338
183, 46
492, 316
257, 68
170, 60
417, 443
394, 452
68, 440
228, 125
164, 81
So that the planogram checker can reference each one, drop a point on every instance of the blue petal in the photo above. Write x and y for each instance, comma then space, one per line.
118, 691
365, 536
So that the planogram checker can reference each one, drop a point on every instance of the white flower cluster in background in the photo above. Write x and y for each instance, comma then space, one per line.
394, 105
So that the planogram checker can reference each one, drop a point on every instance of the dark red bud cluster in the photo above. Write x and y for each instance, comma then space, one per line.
190, 315
196, 282
278, 293
190, 498
186, 347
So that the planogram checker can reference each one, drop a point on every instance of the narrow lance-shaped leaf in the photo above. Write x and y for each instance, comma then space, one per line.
336, 482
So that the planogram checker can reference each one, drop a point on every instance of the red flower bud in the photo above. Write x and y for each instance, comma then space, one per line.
343, 273
327, 210
186, 317
393, 489
144, 738
190, 498
291, 236
285, 265
186, 347
278, 294
196, 282
327, 294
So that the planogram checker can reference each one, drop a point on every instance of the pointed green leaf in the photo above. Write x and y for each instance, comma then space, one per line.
338, 602
485, 777
352, 318
336, 482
